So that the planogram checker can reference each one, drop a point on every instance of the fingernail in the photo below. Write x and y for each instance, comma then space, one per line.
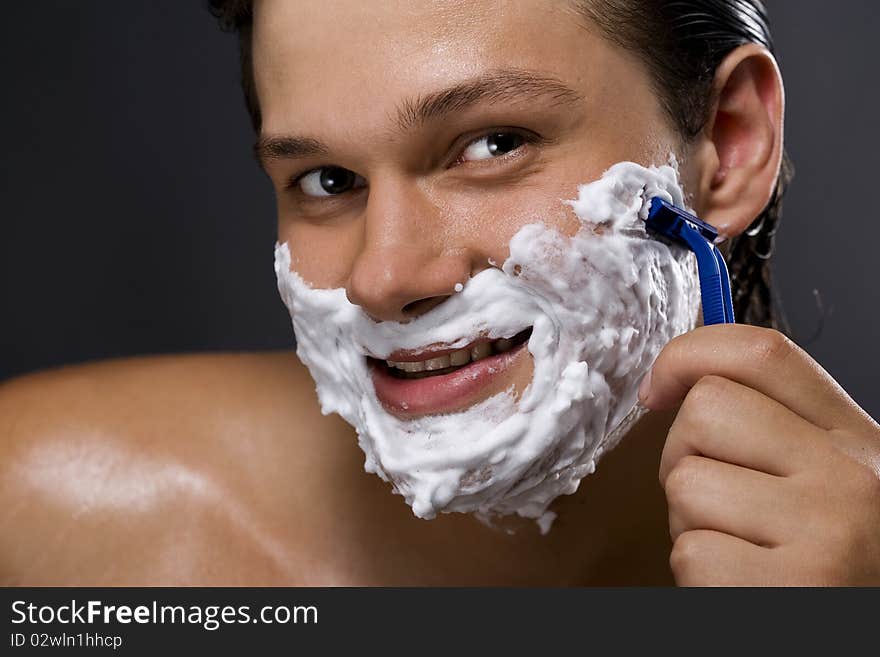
645, 386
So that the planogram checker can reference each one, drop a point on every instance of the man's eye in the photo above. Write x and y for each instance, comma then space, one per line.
492, 145
329, 181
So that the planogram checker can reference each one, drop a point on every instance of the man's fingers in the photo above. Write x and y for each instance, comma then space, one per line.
706, 494
708, 558
727, 421
759, 358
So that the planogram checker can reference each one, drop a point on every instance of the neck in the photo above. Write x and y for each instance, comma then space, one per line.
619, 516
613, 530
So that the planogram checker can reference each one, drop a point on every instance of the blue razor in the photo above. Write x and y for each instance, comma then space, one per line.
683, 228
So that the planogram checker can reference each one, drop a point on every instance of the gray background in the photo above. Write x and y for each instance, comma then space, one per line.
135, 220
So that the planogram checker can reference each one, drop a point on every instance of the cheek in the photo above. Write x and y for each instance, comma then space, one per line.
323, 254
486, 223
481, 224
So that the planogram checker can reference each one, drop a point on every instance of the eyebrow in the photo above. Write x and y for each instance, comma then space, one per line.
287, 147
500, 86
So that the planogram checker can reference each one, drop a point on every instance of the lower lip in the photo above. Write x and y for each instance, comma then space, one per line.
444, 393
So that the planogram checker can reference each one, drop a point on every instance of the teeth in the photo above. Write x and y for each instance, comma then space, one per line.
456, 358
415, 366
438, 363
503, 345
481, 350
460, 357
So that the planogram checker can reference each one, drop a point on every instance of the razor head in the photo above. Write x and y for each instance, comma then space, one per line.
670, 221
680, 227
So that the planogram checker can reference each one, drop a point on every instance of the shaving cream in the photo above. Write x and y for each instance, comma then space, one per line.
601, 304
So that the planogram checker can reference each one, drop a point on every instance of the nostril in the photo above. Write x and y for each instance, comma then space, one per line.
420, 307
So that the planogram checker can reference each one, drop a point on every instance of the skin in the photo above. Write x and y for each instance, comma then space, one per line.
221, 470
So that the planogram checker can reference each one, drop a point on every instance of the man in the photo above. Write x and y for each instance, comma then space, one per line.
221, 469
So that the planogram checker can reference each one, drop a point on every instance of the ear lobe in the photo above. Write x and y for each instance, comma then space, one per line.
741, 147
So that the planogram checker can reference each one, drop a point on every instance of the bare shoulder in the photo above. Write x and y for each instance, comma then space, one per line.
155, 470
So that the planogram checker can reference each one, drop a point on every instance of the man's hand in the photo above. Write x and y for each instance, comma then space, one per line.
771, 471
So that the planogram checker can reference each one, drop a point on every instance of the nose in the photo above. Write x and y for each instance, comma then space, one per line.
406, 265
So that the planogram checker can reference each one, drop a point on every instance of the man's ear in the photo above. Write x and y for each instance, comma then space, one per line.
740, 149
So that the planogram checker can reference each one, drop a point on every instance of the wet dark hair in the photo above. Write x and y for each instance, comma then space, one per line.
681, 42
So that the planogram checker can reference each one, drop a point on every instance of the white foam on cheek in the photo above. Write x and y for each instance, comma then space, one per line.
601, 303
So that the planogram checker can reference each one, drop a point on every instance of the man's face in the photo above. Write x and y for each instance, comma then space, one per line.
409, 141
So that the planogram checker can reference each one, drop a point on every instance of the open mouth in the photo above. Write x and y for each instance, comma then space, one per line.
441, 363
430, 381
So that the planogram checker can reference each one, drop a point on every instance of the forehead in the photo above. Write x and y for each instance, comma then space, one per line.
312, 57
